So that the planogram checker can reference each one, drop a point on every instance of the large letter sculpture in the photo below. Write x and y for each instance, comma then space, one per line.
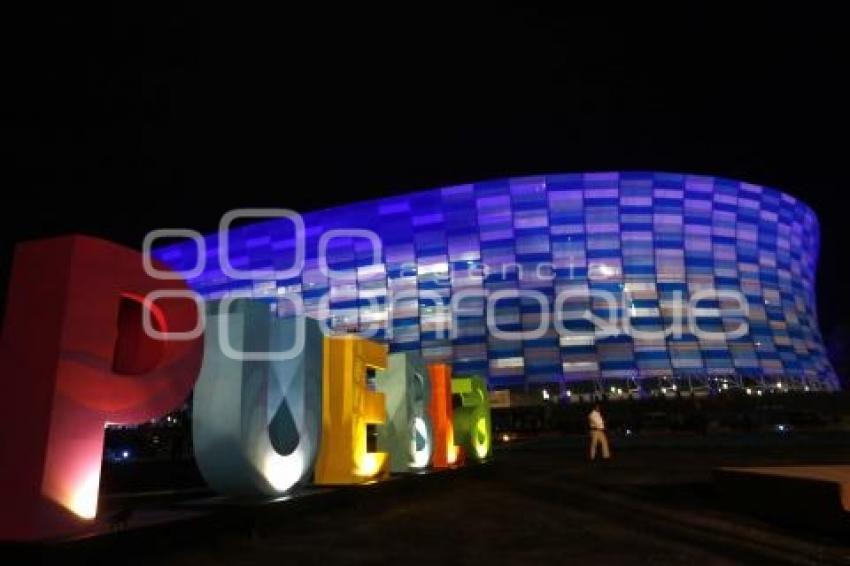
440, 409
256, 417
407, 434
348, 408
472, 416
74, 358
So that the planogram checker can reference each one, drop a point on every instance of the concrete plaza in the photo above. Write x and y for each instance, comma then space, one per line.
540, 501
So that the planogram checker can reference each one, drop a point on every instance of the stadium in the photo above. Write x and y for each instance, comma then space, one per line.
708, 283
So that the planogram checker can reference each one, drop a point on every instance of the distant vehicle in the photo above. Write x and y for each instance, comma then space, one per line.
118, 455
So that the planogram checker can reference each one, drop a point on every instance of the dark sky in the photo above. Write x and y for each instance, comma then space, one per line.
119, 122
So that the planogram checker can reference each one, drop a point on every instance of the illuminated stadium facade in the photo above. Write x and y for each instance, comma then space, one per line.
550, 249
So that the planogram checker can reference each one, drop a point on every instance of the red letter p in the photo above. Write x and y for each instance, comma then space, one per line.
74, 357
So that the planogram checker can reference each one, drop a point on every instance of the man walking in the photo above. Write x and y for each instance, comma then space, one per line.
597, 433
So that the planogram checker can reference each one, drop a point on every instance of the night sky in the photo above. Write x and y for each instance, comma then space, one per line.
116, 123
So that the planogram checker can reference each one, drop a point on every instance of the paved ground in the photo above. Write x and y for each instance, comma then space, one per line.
540, 502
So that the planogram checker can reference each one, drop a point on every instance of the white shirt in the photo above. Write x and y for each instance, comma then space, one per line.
595, 420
